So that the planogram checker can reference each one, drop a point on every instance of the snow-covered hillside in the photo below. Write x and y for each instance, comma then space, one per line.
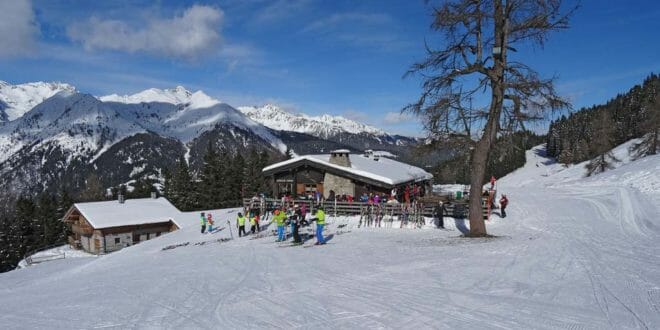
324, 126
16, 100
573, 253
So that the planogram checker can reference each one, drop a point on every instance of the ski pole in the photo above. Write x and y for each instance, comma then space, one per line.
230, 231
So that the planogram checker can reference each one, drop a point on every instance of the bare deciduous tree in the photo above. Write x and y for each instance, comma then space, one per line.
474, 62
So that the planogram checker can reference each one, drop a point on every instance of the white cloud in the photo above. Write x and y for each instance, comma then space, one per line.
358, 116
279, 10
192, 35
371, 30
396, 118
18, 28
342, 19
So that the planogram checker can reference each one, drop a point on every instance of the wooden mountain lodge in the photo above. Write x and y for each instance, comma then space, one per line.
102, 227
344, 174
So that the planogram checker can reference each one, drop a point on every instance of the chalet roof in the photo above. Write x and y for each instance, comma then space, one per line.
384, 170
132, 212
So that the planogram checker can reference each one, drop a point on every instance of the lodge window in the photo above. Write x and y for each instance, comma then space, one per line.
117, 240
310, 188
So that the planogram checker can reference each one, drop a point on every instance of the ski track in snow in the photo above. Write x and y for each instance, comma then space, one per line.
568, 256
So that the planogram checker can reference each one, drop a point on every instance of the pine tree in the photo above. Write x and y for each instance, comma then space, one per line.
236, 181
8, 258
142, 188
264, 159
93, 189
51, 223
604, 129
180, 187
27, 227
210, 180
650, 143
64, 203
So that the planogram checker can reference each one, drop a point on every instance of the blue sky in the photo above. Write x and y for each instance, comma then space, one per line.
312, 56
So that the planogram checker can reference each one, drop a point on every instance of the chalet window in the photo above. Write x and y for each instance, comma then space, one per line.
117, 240
310, 188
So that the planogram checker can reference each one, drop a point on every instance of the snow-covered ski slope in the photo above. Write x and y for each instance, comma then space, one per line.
573, 253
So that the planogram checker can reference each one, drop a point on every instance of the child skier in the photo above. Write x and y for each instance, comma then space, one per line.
503, 203
295, 222
203, 222
241, 225
253, 222
209, 220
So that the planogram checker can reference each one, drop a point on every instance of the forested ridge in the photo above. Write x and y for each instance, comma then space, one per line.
588, 134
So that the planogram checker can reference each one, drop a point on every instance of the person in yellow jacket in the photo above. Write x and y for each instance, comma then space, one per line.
202, 221
320, 223
253, 222
241, 224
279, 218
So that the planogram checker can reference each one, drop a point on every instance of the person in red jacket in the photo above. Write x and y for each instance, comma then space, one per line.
503, 203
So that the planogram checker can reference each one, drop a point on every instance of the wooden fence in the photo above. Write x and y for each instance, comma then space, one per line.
456, 209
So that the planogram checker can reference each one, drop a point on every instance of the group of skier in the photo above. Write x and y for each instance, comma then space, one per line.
252, 217
297, 218
207, 222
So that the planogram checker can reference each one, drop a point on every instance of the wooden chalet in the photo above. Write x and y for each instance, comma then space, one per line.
343, 173
102, 227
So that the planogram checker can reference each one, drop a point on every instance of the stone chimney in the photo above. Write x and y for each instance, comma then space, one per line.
340, 157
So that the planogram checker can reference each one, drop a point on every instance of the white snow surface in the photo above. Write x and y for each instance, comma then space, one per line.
59, 252
275, 117
385, 170
136, 211
573, 253
16, 100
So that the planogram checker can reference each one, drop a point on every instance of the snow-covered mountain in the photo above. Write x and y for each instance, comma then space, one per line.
323, 126
16, 100
54, 135
71, 134
177, 95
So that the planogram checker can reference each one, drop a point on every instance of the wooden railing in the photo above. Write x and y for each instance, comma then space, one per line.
456, 209
82, 230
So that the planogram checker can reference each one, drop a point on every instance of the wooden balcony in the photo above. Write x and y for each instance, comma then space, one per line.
82, 230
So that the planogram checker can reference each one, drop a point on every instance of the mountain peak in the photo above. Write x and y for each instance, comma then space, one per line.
274, 117
176, 95
16, 100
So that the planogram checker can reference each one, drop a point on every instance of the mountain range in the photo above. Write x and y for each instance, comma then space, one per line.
52, 135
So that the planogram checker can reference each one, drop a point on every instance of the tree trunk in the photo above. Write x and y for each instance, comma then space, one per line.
480, 154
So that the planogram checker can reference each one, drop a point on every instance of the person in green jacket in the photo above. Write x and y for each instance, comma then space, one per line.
320, 223
241, 224
279, 218
202, 221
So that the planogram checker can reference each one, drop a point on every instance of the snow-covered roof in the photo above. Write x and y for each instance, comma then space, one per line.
341, 151
131, 212
384, 170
